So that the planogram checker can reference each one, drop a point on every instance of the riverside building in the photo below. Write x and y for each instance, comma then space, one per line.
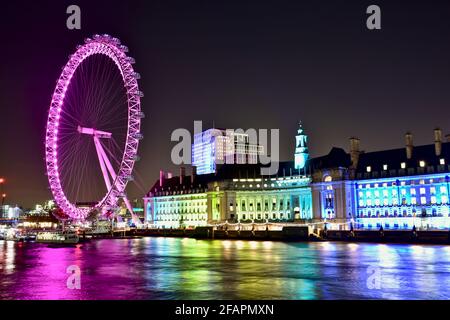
393, 189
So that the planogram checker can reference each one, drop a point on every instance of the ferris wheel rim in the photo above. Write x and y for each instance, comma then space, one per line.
110, 47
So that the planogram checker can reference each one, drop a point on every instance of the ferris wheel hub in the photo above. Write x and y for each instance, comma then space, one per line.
94, 132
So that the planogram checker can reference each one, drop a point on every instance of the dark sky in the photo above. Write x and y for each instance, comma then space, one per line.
241, 64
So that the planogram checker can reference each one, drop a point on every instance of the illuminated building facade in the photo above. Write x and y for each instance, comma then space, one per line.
236, 194
405, 187
332, 188
8, 212
214, 147
393, 189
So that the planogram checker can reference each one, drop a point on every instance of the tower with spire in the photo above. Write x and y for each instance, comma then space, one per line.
301, 148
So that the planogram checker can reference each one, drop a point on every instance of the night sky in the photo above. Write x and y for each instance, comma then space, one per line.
239, 64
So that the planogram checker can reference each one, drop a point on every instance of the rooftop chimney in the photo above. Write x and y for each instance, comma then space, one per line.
409, 144
438, 141
194, 173
161, 178
354, 151
182, 174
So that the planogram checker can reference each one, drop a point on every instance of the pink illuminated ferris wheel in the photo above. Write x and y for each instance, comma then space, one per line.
93, 128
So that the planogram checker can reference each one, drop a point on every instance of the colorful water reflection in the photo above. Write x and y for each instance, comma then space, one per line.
169, 268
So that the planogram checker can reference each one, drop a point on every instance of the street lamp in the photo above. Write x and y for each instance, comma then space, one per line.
2, 181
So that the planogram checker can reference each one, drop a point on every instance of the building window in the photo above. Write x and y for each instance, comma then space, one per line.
385, 167
328, 179
422, 163
442, 162
369, 169
403, 165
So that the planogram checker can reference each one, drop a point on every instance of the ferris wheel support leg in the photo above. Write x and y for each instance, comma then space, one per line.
103, 158
100, 152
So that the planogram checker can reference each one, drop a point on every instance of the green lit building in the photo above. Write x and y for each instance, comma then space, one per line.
236, 193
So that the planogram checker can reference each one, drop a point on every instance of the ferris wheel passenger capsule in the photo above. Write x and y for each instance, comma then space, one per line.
138, 136
140, 94
129, 178
141, 115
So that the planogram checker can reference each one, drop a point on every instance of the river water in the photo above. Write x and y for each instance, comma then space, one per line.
172, 268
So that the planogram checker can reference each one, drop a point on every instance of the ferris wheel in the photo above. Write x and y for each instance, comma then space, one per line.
93, 129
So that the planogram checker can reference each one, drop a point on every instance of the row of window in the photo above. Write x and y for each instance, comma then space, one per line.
394, 192
179, 211
259, 216
422, 164
404, 201
274, 206
180, 192
434, 212
177, 217
186, 203
403, 183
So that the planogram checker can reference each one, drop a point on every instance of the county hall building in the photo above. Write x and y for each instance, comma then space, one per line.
393, 189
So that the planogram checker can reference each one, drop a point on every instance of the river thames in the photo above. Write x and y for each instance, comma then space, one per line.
173, 268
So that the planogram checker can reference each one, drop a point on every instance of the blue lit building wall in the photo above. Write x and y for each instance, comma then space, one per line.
403, 202
204, 152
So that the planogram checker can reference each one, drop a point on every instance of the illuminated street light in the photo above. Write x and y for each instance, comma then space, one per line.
2, 182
